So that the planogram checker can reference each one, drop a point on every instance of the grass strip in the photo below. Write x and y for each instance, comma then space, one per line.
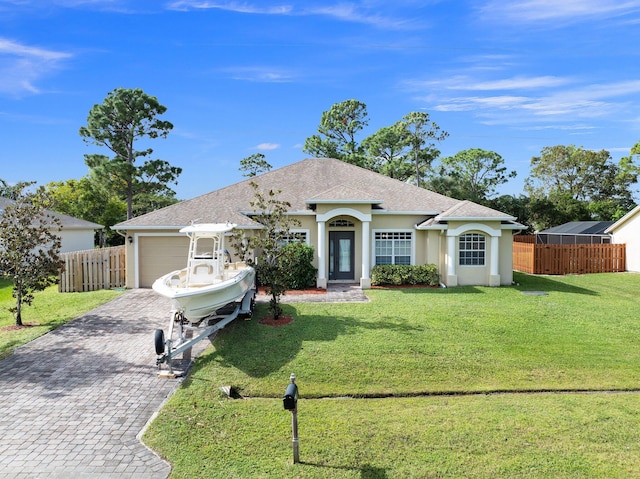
49, 310
515, 436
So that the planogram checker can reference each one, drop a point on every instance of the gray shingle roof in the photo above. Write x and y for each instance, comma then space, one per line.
344, 193
467, 210
302, 184
67, 222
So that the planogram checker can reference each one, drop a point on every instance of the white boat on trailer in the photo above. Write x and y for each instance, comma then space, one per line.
206, 295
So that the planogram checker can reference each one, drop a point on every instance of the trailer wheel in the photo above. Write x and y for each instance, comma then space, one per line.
159, 341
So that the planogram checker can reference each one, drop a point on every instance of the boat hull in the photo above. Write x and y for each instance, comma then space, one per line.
198, 302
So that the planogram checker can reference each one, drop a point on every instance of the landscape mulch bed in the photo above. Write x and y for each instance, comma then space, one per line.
404, 286
293, 292
15, 327
281, 321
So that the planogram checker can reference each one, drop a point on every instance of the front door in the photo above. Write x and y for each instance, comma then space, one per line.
341, 255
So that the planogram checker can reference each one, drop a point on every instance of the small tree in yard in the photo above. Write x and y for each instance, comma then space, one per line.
29, 248
269, 242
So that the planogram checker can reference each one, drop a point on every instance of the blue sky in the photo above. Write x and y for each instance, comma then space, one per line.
242, 77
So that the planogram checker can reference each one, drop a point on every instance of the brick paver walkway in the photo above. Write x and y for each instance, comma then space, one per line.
336, 293
73, 402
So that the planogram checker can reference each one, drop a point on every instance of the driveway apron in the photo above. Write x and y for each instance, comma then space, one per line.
73, 402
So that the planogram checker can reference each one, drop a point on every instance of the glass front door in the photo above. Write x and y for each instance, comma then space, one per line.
341, 255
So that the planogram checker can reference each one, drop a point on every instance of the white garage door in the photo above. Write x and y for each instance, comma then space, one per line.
158, 255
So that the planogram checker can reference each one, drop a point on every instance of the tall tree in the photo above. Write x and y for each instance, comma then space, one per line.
565, 174
516, 206
125, 117
476, 174
422, 135
88, 199
569, 169
29, 247
12, 191
629, 169
387, 151
254, 164
339, 127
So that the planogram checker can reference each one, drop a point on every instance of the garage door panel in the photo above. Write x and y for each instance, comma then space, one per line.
159, 255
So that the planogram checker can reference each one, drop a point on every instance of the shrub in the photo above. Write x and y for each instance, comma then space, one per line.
297, 267
401, 274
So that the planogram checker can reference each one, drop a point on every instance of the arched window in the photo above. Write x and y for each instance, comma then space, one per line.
472, 249
341, 223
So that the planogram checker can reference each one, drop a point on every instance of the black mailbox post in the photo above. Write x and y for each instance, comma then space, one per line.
290, 399
290, 403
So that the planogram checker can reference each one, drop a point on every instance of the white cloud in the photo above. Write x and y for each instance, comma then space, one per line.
267, 146
185, 5
260, 74
353, 12
118, 6
471, 83
533, 11
531, 100
22, 66
9, 47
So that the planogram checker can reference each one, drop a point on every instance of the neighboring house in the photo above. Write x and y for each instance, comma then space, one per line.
627, 230
576, 232
353, 217
76, 234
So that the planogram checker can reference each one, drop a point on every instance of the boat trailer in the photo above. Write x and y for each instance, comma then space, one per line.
188, 334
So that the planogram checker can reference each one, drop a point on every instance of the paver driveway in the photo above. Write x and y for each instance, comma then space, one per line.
73, 401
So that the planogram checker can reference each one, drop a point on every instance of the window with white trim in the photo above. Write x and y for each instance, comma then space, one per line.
472, 249
296, 236
393, 247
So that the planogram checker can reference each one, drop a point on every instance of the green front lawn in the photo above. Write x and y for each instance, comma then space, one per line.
406, 386
49, 310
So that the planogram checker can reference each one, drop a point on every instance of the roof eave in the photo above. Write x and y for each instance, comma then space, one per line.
78, 228
477, 218
436, 227
513, 226
408, 212
121, 227
342, 202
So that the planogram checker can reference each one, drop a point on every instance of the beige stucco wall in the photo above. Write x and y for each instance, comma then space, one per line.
310, 227
382, 222
481, 275
429, 246
506, 258
629, 233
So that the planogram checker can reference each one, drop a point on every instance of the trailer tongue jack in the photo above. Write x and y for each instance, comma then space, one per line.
187, 334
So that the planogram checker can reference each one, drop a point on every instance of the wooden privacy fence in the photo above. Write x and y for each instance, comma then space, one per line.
524, 239
568, 259
93, 269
